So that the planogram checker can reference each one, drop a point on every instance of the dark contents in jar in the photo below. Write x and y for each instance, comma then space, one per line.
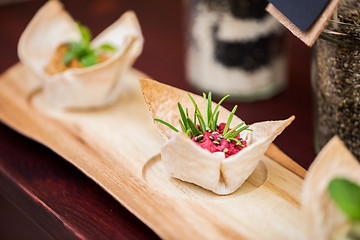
249, 55
253, 9
254, 51
337, 79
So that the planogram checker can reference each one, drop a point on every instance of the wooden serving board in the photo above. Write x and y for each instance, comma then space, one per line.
118, 147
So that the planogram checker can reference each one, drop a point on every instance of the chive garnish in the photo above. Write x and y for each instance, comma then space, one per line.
215, 120
201, 121
167, 124
183, 128
219, 103
208, 122
239, 131
236, 140
229, 120
183, 117
194, 129
206, 111
233, 130
209, 112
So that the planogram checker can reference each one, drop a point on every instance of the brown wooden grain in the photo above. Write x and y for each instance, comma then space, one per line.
93, 141
278, 156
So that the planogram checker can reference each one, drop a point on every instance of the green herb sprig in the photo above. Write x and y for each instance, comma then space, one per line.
83, 51
346, 195
208, 122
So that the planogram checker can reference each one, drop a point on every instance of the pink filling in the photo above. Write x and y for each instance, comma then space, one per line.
207, 143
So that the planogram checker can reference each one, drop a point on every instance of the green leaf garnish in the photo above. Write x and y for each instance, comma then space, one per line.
69, 56
206, 112
167, 124
346, 195
209, 112
193, 127
209, 121
201, 121
216, 120
232, 135
83, 51
107, 47
189, 133
89, 59
85, 34
229, 120
183, 117
237, 141
76, 48
217, 107
198, 114
233, 130
182, 126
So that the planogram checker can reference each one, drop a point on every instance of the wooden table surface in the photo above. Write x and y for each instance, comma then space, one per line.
44, 197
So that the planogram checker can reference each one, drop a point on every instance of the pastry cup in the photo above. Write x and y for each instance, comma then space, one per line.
323, 218
187, 161
88, 87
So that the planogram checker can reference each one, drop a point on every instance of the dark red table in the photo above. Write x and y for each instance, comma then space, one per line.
42, 196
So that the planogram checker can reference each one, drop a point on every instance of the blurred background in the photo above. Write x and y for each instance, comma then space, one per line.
164, 58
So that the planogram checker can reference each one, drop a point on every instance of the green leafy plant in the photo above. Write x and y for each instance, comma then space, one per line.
208, 122
346, 195
82, 49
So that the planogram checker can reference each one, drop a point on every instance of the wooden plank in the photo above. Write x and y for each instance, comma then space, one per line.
118, 148
64, 202
280, 157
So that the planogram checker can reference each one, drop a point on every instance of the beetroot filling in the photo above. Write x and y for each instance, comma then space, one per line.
207, 143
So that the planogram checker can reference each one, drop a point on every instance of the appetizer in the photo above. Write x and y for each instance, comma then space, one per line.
78, 72
208, 134
214, 148
331, 194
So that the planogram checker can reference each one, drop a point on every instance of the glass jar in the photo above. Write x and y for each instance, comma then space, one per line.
336, 79
235, 47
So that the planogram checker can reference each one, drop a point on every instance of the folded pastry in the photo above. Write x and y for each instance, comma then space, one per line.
48, 34
202, 157
332, 177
